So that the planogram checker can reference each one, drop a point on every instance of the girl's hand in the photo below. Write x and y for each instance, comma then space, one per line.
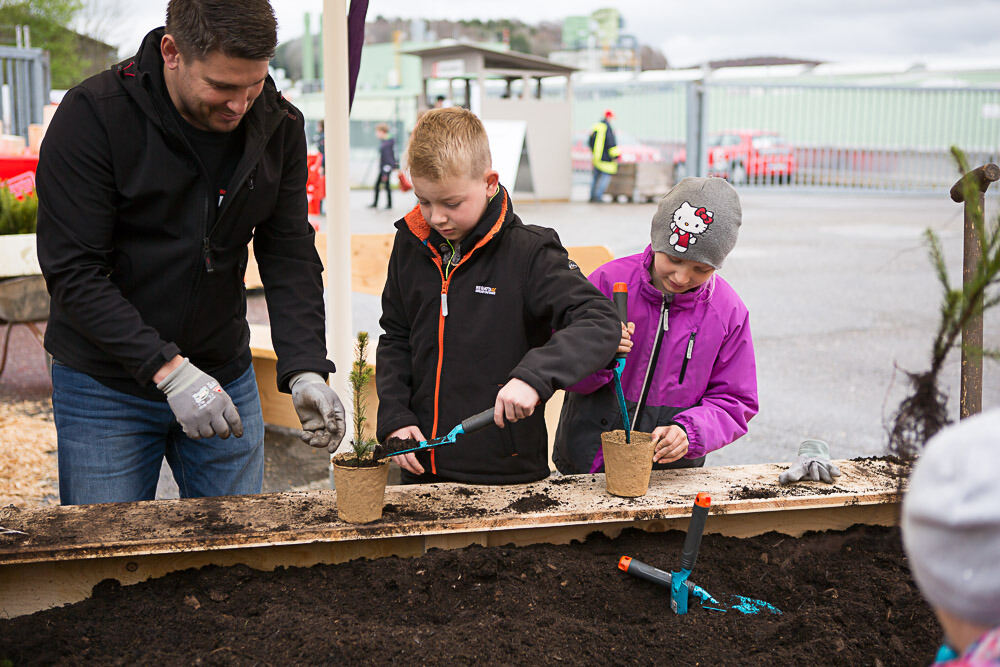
408, 461
669, 443
625, 345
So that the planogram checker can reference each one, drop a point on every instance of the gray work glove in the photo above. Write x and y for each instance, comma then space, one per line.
813, 463
319, 409
199, 404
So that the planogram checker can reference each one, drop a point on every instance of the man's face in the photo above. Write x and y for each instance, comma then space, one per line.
215, 92
453, 206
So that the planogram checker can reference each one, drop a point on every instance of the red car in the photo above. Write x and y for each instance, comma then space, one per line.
631, 151
743, 156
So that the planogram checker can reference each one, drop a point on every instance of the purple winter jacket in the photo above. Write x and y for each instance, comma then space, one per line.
704, 377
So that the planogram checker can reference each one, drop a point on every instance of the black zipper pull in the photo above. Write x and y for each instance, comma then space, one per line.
687, 357
209, 267
251, 177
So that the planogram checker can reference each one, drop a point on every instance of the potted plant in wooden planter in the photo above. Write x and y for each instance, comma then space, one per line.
627, 465
18, 219
23, 296
358, 476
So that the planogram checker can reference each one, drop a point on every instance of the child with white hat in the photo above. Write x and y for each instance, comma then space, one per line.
951, 532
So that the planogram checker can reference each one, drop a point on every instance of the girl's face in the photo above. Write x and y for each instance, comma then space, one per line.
675, 275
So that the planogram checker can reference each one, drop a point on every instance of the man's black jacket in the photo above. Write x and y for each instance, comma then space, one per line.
515, 306
141, 261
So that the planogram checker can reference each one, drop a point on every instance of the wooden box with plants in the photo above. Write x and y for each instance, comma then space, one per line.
18, 220
23, 295
358, 476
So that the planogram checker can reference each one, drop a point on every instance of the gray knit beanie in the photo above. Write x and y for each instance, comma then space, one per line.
699, 219
951, 520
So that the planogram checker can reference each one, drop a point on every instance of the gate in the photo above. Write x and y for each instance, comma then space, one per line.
25, 82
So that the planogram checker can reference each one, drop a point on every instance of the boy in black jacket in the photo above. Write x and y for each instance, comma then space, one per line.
478, 310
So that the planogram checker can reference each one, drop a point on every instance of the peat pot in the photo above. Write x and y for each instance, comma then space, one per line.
627, 466
360, 491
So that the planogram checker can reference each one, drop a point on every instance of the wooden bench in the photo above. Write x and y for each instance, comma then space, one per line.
369, 259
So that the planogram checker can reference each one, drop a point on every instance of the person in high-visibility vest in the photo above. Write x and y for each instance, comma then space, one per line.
604, 155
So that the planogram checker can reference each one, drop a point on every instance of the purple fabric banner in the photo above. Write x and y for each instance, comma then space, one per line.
355, 40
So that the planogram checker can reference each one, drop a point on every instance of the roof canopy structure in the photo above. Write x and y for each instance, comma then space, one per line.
529, 134
489, 62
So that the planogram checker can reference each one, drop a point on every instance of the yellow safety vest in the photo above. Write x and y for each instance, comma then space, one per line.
600, 131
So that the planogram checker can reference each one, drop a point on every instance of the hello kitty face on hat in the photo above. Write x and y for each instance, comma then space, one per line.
687, 223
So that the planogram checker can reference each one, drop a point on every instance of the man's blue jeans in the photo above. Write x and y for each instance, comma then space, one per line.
111, 444
599, 184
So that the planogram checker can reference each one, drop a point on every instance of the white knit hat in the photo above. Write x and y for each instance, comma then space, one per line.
951, 520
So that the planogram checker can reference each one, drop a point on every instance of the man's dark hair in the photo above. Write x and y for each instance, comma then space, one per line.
237, 28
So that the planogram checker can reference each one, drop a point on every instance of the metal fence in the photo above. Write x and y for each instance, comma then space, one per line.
831, 136
24, 87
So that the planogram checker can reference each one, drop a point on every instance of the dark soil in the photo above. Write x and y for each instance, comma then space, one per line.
393, 445
533, 503
846, 597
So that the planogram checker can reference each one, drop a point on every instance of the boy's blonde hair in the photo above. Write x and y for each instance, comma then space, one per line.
448, 143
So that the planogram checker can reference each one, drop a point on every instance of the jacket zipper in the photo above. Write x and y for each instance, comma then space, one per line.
663, 327
445, 284
687, 357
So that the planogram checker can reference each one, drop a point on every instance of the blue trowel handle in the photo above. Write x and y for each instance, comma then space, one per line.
639, 569
697, 526
619, 292
476, 422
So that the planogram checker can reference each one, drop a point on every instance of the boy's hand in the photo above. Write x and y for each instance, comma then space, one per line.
408, 461
515, 401
669, 443
625, 346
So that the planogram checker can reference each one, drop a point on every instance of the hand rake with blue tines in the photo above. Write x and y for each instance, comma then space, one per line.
682, 588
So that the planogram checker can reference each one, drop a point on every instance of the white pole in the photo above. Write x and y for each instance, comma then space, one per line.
339, 330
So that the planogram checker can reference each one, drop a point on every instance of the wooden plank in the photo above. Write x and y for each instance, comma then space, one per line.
70, 549
172, 526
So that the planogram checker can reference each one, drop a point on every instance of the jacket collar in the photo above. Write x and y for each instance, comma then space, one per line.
650, 293
497, 214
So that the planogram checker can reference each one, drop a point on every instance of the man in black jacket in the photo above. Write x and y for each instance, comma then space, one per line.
153, 178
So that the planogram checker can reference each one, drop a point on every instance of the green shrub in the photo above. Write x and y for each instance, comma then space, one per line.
18, 216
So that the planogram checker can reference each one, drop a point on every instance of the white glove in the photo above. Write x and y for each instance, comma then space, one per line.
813, 463
319, 409
199, 404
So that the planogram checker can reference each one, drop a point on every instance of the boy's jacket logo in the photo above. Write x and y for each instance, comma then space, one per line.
482, 289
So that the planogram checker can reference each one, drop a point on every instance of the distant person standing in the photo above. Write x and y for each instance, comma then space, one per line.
321, 143
386, 163
604, 155
439, 102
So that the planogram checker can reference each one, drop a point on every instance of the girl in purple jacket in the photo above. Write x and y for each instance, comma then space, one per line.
690, 378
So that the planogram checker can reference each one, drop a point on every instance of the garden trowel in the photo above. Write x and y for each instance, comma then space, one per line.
470, 425
681, 587
620, 297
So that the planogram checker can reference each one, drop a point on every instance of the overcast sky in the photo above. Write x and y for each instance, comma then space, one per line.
691, 32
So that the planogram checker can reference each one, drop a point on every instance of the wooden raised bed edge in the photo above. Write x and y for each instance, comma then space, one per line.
70, 549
